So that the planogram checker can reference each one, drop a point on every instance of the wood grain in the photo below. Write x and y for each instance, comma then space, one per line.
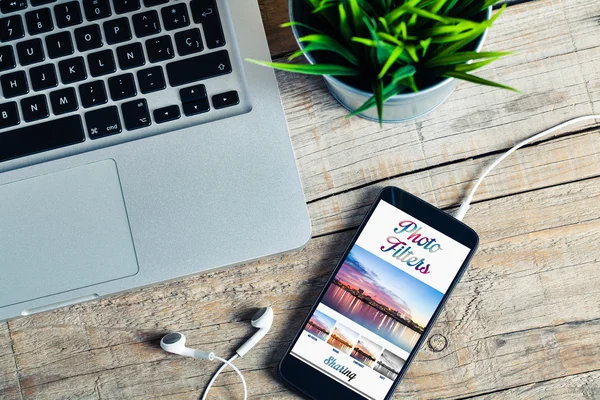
574, 387
9, 383
565, 159
524, 321
510, 322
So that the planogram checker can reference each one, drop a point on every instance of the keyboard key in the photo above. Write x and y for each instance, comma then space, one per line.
92, 94
189, 42
7, 58
59, 45
41, 2
41, 137
196, 107
68, 14
30, 52
9, 115
121, 87
151, 79
146, 23
152, 3
192, 93
226, 99
11, 28
34, 108
39, 21
63, 101
205, 12
43, 77
72, 70
14, 84
135, 114
8, 6
175, 16
96, 9
103, 122
125, 6
101, 63
117, 30
166, 114
130, 56
159, 49
200, 67
88, 37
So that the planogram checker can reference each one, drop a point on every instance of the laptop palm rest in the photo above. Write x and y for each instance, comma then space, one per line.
63, 231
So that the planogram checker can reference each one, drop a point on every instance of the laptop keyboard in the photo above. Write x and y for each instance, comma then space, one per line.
81, 75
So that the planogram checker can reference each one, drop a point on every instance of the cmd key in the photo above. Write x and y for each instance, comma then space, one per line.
200, 67
103, 122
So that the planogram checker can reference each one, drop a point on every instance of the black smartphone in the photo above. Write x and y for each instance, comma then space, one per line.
380, 302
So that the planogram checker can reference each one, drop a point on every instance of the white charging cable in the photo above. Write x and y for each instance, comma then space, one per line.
225, 364
464, 207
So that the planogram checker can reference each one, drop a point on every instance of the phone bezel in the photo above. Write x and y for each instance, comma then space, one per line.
312, 382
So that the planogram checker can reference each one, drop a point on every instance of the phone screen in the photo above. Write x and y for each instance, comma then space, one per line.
380, 301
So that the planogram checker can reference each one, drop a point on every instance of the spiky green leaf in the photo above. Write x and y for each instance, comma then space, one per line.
310, 69
463, 57
390, 61
476, 79
324, 42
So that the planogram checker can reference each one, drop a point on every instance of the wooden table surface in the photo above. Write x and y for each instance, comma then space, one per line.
523, 323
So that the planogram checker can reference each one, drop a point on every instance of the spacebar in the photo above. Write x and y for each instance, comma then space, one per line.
41, 137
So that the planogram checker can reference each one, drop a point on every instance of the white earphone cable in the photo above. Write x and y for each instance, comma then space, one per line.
464, 207
225, 364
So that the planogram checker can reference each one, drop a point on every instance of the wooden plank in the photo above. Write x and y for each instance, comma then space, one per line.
9, 382
274, 13
515, 359
575, 387
554, 66
526, 311
565, 159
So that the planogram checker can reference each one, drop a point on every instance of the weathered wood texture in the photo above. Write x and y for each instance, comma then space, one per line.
511, 321
9, 382
523, 323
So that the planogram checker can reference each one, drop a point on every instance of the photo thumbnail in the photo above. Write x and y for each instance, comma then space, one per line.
320, 325
343, 338
366, 351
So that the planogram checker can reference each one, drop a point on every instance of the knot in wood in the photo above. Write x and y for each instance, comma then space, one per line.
438, 342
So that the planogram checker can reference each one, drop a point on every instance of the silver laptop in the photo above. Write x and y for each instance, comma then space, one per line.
137, 146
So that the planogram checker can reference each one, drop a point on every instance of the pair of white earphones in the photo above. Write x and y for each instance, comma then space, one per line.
175, 343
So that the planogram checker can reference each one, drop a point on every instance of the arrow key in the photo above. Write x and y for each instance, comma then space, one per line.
196, 107
136, 114
226, 99
192, 93
166, 114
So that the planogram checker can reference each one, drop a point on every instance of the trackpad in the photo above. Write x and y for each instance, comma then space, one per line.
63, 231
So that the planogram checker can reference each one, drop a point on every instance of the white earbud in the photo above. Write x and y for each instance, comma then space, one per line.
175, 343
263, 319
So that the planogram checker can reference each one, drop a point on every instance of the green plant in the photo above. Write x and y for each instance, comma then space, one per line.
387, 47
